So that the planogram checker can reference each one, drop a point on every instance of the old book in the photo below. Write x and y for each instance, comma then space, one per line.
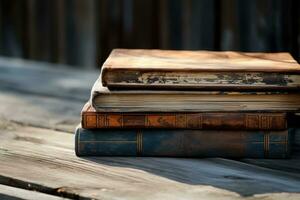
205, 70
106, 100
91, 119
182, 143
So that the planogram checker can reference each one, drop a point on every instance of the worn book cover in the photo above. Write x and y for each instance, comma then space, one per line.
91, 119
182, 143
106, 100
205, 70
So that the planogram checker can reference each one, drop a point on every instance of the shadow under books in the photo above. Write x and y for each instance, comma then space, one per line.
239, 177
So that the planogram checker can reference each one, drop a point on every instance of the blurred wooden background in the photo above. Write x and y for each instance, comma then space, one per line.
83, 32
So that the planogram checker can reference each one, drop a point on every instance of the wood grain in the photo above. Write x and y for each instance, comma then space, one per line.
162, 60
12, 193
42, 94
47, 158
44, 79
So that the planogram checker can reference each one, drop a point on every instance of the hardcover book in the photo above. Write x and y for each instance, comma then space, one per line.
91, 119
182, 143
205, 70
105, 100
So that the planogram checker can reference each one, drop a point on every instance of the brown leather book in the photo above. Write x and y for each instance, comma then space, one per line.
205, 70
230, 121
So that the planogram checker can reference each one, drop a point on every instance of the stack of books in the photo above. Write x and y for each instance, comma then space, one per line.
191, 104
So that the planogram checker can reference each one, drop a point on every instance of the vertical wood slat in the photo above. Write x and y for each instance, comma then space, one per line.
82, 32
11, 28
144, 24
230, 36
39, 31
163, 21
127, 23
175, 23
110, 25
60, 34
85, 27
1, 28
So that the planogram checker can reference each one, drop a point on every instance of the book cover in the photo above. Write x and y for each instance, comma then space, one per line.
205, 70
90, 119
182, 143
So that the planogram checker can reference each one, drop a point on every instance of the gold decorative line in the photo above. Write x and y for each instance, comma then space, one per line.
97, 120
139, 141
267, 144
105, 120
146, 122
264, 122
267, 122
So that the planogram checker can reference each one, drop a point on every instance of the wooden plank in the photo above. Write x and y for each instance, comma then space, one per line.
40, 111
43, 95
12, 193
46, 158
59, 81
282, 165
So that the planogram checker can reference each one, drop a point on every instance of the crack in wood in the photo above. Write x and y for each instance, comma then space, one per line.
60, 192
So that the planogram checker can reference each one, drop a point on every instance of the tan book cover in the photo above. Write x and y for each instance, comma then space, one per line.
205, 70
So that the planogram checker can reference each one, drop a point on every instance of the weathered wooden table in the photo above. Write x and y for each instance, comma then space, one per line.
39, 109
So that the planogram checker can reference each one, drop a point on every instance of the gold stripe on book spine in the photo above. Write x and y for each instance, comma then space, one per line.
266, 144
139, 142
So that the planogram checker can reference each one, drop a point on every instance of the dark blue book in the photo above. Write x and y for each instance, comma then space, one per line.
182, 143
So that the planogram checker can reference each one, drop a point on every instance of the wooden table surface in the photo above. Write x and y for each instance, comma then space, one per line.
39, 108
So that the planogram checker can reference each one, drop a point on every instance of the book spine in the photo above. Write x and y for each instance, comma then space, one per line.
228, 121
126, 79
182, 143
